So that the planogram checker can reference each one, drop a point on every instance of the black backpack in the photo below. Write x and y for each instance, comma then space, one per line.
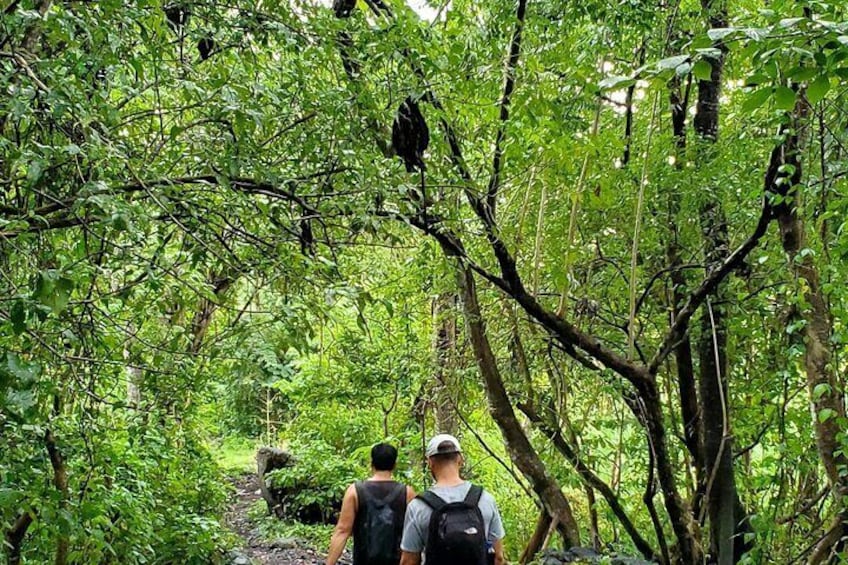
457, 533
379, 526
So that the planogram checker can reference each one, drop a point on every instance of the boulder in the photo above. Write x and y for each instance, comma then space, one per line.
281, 500
270, 459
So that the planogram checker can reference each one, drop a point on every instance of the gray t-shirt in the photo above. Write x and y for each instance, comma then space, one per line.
418, 513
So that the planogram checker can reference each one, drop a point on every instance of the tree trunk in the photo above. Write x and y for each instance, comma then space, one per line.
720, 484
684, 365
533, 546
270, 459
206, 309
590, 479
444, 349
60, 481
720, 494
518, 445
783, 179
15, 537
679, 513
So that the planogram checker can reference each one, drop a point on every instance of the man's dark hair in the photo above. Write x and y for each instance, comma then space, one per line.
383, 457
446, 457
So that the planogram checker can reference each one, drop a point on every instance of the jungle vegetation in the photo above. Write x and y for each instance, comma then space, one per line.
617, 271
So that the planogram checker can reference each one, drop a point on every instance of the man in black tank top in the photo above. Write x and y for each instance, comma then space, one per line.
373, 512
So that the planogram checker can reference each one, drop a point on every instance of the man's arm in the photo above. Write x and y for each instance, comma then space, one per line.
344, 527
409, 558
500, 559
410, 494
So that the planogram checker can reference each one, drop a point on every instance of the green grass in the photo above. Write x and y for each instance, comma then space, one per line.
236, 455
315, 536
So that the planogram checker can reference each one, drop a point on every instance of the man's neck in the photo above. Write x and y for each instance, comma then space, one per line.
381, 476
448, 479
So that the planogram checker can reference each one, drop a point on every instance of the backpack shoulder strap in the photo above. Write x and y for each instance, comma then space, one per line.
432, 500
474, 495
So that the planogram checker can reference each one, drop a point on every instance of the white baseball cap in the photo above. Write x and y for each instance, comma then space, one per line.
443, 444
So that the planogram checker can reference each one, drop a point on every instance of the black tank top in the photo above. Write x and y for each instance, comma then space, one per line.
378, 526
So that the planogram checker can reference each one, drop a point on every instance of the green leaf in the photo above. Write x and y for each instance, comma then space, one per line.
17, 315
53, 290
784, 98
756, 99
719, 33
672, 62
789, 22
10, 497
702, 70
800, 74
34, 171
616, 82
24, 372
709, 53
120, 222
21, 401
820, 390
755, 34
756, 79
826, 414
817, 89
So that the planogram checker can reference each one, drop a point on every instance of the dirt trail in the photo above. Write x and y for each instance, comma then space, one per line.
257, 550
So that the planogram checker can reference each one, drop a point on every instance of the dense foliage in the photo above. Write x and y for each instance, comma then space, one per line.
620, 278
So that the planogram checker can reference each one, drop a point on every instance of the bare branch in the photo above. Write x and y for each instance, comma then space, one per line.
509, 86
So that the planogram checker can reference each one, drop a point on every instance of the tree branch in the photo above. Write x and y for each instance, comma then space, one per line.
509, 86
590, 478
681, 323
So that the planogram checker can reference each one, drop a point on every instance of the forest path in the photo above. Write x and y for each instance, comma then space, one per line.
257, 550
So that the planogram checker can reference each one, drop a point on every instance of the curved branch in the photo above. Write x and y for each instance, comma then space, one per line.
509, 87
247, 185
15, 535
708, 285
590, 478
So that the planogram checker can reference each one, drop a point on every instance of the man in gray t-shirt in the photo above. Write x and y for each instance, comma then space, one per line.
445, 459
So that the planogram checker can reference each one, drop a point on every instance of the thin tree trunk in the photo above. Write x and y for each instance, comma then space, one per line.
203, 317
593, 517
683, 358
648, 500
718, 480
783, 179
30, 38
518, 445
15, 538
444, 348
60, 481
679, 512
720, 486
534, 544
628, 109
590, 479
